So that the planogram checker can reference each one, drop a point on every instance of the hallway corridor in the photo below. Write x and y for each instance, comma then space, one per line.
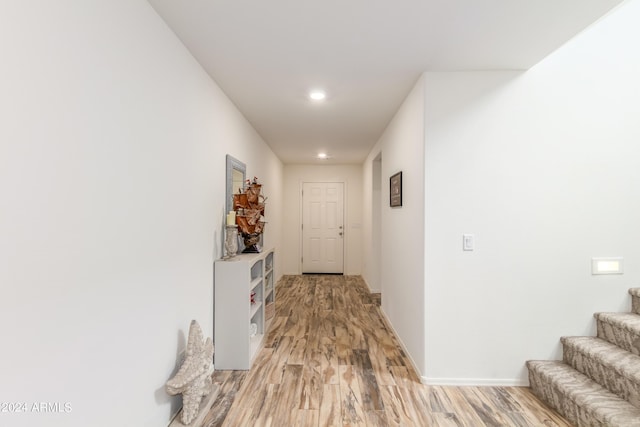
330, 359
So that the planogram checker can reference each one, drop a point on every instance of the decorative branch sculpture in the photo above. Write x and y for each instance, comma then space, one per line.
249, 207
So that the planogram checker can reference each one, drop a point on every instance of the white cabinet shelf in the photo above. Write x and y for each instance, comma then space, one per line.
254, 308
255, 282
235, 281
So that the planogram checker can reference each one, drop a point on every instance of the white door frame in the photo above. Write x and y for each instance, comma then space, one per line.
345, 212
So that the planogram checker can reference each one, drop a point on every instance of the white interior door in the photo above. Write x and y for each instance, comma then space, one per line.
322, 227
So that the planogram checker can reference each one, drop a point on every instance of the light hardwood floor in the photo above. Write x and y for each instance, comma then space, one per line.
330, 359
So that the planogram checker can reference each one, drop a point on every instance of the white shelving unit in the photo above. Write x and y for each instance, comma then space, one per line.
235, 281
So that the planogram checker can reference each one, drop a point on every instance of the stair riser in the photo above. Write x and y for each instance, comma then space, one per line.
598, 382
602, 374
553, 397
624, 339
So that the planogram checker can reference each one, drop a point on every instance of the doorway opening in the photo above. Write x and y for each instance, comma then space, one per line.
376, 224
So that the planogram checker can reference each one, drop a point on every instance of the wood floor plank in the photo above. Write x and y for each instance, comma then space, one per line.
438, 400
442, 419
350, 397
371, 398
316, 329
308, 297
324, 296
310, 385
379, 363
330, 413
265, 417
306, 418
418, 417
390, 347
543, 415
296, 325
376, 418
463, 409
229, 383
339, 300
330, 358
343, 345
274, 333
402, 376
246, 410
326, 361
275, 369
502, 398
398, 414
298, 351
285, 400
489, 415
417, 404
357, 336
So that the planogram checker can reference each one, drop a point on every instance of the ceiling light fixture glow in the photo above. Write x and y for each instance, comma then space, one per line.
323, 156
317, 95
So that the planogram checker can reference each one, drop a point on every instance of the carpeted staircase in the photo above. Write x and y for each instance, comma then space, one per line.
598, 381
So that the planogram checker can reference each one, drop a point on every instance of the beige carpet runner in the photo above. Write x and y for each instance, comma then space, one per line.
597, 383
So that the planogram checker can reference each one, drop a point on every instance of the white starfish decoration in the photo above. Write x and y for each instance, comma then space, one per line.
193, 379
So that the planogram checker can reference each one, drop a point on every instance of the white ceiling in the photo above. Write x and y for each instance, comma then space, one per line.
366, 54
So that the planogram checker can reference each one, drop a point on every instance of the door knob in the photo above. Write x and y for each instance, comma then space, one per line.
340, 233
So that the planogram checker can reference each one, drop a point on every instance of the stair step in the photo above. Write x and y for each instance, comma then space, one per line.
621, 329
579, 399
610, 366
635, 300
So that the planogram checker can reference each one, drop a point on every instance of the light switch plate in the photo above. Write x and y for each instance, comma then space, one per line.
468, 242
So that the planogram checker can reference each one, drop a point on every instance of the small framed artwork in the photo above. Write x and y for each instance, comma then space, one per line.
395, 190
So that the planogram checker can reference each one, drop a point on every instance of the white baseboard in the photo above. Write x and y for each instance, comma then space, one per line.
479, 382
372, 291
366, 283
458, 382
404, 347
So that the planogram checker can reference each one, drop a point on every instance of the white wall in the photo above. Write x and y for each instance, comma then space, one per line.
402, 229
294, 176
542, 167
112, 169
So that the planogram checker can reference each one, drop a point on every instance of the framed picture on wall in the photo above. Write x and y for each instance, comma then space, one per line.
395, 190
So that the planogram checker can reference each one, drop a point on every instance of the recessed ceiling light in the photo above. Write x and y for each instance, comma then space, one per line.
323, 156
317, 95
